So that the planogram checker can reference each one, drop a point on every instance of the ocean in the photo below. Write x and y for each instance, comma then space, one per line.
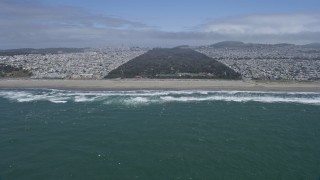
241, 135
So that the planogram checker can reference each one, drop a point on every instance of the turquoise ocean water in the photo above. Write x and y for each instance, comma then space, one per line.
59, 134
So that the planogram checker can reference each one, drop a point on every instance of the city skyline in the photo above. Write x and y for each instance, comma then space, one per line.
84, 23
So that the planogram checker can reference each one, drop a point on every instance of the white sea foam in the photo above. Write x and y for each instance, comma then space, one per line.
265, 99
83, 98
58, 101
147, 97
137, 100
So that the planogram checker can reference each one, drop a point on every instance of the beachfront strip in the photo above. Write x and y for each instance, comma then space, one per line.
274, 62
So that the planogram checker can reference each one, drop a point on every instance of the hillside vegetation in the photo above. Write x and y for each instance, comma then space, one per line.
7, 71
174, 63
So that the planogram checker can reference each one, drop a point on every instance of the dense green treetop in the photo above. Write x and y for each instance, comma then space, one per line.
174, 63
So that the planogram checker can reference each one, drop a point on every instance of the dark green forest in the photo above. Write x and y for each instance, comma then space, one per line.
11, 71
177, 63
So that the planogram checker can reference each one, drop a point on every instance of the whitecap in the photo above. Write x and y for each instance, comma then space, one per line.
156, 96
138, 100
58, 101
83, 98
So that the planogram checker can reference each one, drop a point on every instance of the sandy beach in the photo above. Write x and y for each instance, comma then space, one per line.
150, 84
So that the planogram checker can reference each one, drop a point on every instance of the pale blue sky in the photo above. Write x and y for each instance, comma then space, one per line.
47, 23
177, 15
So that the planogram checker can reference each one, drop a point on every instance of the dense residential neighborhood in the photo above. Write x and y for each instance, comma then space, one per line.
92, 64
269, 62
252, 61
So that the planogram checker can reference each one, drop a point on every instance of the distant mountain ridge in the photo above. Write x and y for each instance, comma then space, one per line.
228, 44
25, 51
237, 44
222, 44
312, 45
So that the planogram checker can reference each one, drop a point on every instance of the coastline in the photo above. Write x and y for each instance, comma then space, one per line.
162, 84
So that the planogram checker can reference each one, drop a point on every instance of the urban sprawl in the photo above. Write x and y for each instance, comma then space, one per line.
267, 62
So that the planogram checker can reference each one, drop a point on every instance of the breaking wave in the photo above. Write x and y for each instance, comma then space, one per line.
153, 96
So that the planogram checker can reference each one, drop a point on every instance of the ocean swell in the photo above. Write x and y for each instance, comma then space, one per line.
153, 96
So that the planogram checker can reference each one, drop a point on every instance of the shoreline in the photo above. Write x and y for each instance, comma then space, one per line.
162, 84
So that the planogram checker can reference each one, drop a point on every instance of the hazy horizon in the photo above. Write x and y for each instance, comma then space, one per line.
96, 23
179, 45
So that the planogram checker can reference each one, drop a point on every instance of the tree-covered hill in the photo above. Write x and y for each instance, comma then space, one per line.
7, 71
174, 63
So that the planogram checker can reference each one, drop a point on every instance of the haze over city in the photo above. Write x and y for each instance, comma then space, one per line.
97, 23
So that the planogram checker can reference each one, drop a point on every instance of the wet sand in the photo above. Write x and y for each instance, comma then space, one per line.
150, 84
